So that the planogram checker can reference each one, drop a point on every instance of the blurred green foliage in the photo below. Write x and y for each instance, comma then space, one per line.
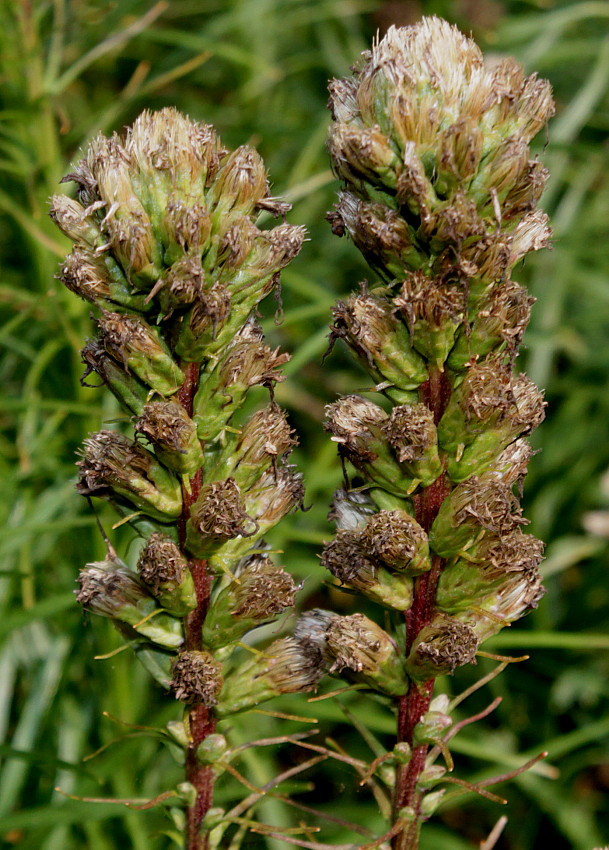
257, 69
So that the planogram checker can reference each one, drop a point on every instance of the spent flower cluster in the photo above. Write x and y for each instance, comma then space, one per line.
167, 250
439, 194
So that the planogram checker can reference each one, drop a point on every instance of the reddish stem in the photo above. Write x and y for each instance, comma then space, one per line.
435, 393
201, 720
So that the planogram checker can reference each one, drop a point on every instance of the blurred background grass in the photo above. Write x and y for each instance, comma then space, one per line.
257, 69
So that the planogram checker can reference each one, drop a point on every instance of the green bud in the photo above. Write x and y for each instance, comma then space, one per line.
396, 540
287, 666
213, 749
345, 557
364, 652
440, 647
476, 507
197, 678
259, 591
173, 434
129, 391
433, 311
118, 593
164, 570
141, 349
430, 776
432, 725
431, 802
113, 466
177, 730
367, 324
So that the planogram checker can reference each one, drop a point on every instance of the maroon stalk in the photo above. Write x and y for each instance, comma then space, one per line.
435, 393
201, 720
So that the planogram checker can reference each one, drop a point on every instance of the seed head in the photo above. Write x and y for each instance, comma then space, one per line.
365, 652
114, 466
260, 590
395, 539
164, 570
174, 435
368, 325
197, 678
440, 647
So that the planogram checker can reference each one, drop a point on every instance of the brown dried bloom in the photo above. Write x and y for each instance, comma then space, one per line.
196, 678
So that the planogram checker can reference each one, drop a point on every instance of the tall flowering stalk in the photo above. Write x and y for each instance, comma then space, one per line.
440, 191
166, 248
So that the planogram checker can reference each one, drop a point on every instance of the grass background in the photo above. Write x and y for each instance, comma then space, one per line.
257, 69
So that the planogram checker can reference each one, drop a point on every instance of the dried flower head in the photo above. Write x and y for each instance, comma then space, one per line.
128, 389
114, 465
396, 540
141, 349
196, 678
474, 508
287, 666
440, 647
346, 558
218, 514
366, 652
424, 120
259, 591
164, 570
367, 323
109, 589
